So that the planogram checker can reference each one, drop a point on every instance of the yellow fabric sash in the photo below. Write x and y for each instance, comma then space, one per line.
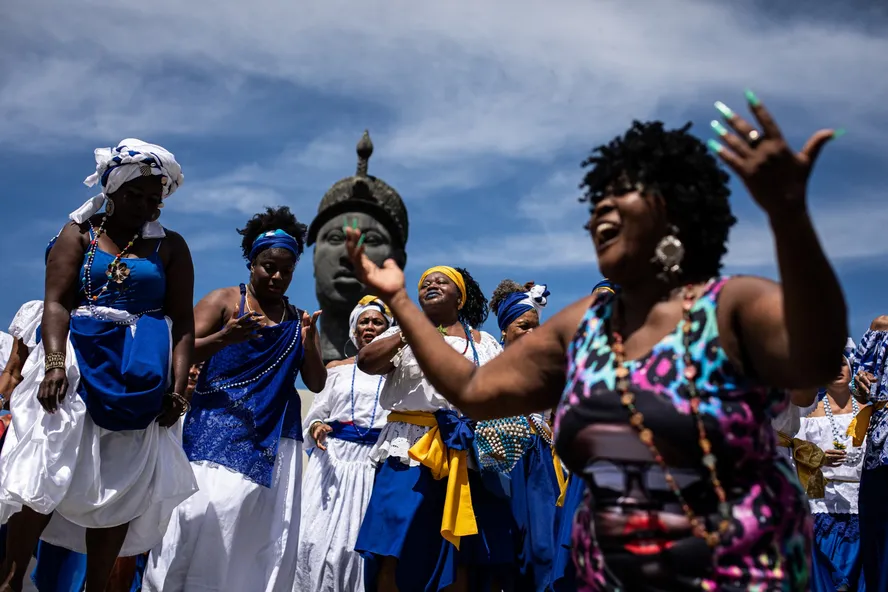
860, 424
458, 518
809, 460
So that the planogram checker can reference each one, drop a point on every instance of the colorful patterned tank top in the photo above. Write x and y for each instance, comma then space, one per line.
767, 549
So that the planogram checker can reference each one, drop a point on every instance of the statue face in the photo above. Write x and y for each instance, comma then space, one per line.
335, 282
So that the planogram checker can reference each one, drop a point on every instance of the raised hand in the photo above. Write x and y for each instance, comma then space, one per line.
775, 175
239, 329
310, 334
385, 281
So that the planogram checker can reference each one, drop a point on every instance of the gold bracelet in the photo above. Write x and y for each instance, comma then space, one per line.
182, 401
54, 361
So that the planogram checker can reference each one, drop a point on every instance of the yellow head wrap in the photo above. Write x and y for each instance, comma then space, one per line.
453, 275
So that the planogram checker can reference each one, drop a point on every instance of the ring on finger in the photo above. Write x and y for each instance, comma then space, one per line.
753, 138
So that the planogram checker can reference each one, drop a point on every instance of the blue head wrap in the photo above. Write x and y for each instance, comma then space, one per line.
871, 355
274, 239
605, 284
516, 304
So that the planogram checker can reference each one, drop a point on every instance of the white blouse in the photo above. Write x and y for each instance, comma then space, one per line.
406, 389
334, 403
841, 496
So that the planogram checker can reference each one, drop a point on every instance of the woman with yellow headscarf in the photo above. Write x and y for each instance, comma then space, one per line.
431, 523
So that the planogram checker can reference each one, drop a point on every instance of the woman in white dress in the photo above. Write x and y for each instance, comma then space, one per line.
243, 434
830, 467
342, 425
92, 461
431, 523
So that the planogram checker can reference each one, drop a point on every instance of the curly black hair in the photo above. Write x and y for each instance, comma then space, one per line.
505, 288
474, 311
678, 167
273, 219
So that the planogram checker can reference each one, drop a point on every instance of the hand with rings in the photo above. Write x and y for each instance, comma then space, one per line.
174, 407
775, 175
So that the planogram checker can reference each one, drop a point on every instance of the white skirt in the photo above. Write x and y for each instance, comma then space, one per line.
233, 534
335, 494
87, 476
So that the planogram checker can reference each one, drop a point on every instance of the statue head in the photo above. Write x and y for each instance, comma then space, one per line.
381, 216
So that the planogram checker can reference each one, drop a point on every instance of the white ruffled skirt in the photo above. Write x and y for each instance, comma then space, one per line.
87, 476
335, 494
233, 534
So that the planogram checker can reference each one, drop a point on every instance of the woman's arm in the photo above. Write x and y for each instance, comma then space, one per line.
528, 376
62, 282
314, 372
803, 397
319, 413
376, 358
12, 373
790, 335
179, 299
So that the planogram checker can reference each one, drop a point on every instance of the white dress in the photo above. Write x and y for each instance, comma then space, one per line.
407, 389
87, 476
337, 485
843, 481
233, 534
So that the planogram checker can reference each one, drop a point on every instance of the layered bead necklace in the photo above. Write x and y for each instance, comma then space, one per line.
853, 456
636, 420
375, 403
117, 271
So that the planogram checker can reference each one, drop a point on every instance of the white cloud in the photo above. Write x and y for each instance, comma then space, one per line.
459, 80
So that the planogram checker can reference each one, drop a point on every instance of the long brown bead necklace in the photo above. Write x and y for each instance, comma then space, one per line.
636, 420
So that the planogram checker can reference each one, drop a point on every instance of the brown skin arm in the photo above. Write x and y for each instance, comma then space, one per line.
526, 377
210, 317
178, 306
802, 397
314, 372
376, 358
12, 374
788, 335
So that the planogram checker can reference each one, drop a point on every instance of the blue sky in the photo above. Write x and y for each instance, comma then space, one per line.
480, 113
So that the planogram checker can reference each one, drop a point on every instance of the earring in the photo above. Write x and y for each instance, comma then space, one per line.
109, 208
669, 254
155, 215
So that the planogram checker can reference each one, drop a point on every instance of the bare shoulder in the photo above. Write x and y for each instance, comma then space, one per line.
566, 322
742, 287
818, 411
174, 243
221, 296
337, 363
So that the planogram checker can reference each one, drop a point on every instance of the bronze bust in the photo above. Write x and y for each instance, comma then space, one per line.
382, 218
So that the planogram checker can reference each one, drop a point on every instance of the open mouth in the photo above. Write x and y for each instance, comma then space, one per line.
606, 232
368, 336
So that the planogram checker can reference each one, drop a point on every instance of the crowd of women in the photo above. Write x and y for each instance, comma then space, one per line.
669, 431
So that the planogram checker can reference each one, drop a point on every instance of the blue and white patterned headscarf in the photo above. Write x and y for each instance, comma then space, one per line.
131, 159
516, 304
870, 356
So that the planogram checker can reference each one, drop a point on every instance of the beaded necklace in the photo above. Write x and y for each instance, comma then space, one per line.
375, 402
250, 308
636, 420
851, 458
116, 272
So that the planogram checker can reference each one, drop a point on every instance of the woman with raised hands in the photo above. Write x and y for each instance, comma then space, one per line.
243, 434
341, 427
668, 385
431, 523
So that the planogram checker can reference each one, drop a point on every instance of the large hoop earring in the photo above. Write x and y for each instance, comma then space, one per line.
155, 215
109, 207
668, 255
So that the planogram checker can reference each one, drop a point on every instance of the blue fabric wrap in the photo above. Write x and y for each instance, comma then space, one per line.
403, 520
246, 401
457, 432
123, 377
510, 309
836, 560
350, 433
543, 530
871, 355
278, 240
62, 570
874, 527
604, 284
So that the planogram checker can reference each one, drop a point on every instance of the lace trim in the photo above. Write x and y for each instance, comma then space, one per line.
396, 440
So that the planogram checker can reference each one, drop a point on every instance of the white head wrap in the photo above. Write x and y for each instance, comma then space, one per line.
131, 159
366, 303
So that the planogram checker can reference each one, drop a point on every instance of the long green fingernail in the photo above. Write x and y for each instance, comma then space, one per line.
361, 241
714, 146
719, 128
839, 133
752, 99
354, 224
344, 223
724, 110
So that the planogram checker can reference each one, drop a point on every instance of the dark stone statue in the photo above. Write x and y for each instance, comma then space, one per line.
382, 218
